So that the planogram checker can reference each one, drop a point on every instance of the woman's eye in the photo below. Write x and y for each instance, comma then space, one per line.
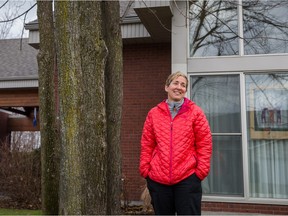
183, 85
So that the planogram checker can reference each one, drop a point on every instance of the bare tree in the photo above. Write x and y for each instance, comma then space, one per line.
214, 27
11, 13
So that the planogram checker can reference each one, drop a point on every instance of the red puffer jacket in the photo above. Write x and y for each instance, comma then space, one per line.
172, 150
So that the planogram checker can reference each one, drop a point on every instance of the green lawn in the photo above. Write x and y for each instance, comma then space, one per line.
19, 212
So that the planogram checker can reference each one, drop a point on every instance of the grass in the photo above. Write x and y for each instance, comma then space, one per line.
19, 212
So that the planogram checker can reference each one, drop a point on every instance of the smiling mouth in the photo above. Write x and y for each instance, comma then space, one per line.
178, 93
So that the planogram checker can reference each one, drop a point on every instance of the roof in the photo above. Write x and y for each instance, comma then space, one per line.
126, 11
18, 60
141, 22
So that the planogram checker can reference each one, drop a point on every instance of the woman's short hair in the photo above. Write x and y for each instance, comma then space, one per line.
175, 75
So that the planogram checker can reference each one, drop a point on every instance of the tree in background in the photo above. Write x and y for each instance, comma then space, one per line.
87, 41
214, 29
14, 14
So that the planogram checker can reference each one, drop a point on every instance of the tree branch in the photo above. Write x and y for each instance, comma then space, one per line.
11, 20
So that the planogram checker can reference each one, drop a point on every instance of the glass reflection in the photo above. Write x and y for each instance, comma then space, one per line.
224, 116
213, 28
267, 118
226, 174
222, 109
265, 26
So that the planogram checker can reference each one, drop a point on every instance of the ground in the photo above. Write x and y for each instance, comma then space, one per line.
8, 203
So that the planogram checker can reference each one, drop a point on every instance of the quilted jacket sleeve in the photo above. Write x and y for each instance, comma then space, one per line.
203, 142
147, 146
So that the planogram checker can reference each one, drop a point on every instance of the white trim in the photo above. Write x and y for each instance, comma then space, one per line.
134, 30
244, 146
179, 37
151, 4
230, 199
240, 28
8, 84
129, 30
245, 198
227, 134
239, 63
34, 37
213, 73
5, 111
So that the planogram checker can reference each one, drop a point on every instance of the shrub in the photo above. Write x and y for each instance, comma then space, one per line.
20, 175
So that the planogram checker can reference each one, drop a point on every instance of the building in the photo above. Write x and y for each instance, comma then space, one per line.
18, 86
235, 54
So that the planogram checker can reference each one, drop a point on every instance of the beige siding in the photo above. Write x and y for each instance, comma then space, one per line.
145, 4
34, 37
18, 84
134, 30
130, 30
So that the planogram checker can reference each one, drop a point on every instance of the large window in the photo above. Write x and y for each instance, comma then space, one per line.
244, 94
265, 26
266, 130
267, 118
223, 113
225, 27
213, 28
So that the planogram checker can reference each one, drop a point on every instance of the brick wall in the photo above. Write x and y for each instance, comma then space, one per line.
146, 68
245, 208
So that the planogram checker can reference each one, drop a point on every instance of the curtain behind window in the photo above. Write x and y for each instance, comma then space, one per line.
267, 117
219, 97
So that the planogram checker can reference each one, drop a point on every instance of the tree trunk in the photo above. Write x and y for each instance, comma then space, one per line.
48, 116
82, 56
89, 63
114, 95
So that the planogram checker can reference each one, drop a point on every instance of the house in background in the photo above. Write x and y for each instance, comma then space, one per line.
18, 87
235, 54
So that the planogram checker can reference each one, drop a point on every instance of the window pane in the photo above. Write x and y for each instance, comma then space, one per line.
225, 176
267, 118
213, 28
265, 26
222, 109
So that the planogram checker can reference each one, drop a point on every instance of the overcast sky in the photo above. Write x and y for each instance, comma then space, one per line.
11, 9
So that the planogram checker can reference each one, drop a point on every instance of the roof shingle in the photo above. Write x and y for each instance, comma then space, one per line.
17, 63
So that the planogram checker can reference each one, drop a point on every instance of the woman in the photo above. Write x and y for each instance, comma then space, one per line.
176, 147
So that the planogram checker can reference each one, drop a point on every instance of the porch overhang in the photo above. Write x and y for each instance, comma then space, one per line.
150, 24
156, 16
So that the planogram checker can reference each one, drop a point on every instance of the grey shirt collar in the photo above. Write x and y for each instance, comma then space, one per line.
174, 107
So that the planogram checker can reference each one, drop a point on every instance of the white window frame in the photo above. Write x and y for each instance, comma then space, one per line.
245, 198
229, 65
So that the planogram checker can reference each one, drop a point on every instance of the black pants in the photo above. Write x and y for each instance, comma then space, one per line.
183, 198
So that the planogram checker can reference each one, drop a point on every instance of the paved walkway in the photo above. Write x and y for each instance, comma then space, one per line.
231, 213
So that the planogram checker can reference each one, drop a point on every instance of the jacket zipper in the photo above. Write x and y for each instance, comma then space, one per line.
171, 130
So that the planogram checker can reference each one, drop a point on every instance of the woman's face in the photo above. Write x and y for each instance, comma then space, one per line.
176, 89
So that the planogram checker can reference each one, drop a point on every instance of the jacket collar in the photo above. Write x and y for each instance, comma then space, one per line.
185, 106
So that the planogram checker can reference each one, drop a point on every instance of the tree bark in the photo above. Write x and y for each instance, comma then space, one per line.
88, 46
48, 116
82, 56
114, 95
